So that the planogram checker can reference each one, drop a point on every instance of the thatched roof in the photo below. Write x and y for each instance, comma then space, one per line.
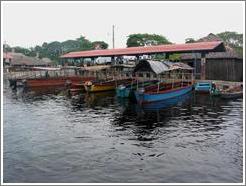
230, 52
19, 59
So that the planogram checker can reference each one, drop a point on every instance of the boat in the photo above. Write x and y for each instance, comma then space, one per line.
99, 87
162, 92
232, 92
226, 91
126, 91
110, 85
203, 87
231, 95
165, 104
174, 79
54, 81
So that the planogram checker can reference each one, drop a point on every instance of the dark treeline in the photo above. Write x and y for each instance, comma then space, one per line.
54, 49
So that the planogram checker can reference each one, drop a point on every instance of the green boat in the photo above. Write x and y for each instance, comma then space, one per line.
128, 91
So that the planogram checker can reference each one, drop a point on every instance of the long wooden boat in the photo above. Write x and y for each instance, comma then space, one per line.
231, 95
167, 103
228, 92
55, 81
91, 86
166, 91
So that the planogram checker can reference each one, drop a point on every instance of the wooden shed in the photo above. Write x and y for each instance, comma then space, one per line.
226, 66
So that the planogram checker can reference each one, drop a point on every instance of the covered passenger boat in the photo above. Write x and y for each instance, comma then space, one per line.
109, 78
174, 79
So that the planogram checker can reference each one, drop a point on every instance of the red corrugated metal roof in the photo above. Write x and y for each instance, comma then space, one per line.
188, 47
7, 56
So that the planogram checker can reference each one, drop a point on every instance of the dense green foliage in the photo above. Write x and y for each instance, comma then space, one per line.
101, 44
231, 39
234, 40
135, 40
55, 49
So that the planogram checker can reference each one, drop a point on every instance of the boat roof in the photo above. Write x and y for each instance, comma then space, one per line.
46, 68
159, 67
95, 68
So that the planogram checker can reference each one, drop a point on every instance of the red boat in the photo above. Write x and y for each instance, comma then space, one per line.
55, 81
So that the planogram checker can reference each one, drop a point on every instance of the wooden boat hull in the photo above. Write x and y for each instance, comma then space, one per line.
99, 88
164, 104
59, 81
105, 86
234, 95
144, 98
122, 92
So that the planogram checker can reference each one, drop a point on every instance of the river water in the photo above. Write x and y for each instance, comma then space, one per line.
99, 138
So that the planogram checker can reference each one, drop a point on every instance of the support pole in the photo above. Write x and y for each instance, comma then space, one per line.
167, 56
113, 36
203, 66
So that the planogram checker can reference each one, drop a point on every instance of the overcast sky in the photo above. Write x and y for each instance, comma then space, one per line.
31, 24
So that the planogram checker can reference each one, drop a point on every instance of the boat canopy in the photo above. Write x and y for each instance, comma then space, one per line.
95, 68
46, 68
159, 67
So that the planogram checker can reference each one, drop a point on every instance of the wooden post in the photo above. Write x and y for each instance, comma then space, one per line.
203, 66
167, 56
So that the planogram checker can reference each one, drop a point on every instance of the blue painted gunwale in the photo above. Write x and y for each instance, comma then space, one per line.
203, 87
150, 97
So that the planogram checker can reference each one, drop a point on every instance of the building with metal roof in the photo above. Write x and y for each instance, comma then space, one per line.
201, 47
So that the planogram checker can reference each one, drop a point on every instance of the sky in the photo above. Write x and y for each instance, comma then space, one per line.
31, 23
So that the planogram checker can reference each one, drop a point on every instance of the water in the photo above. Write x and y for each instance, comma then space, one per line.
99, 138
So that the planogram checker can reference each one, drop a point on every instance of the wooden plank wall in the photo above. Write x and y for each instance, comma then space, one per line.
224, 69
220, 69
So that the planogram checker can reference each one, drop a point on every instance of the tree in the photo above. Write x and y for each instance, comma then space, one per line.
234, 40
84, 44
55, 49
22, 50
99, 45
6, 48
135, 40
70, 46
190, 40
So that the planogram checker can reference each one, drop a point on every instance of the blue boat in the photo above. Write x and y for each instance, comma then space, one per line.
123, 91
203, 87
143, 97
175, 79
165, 104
